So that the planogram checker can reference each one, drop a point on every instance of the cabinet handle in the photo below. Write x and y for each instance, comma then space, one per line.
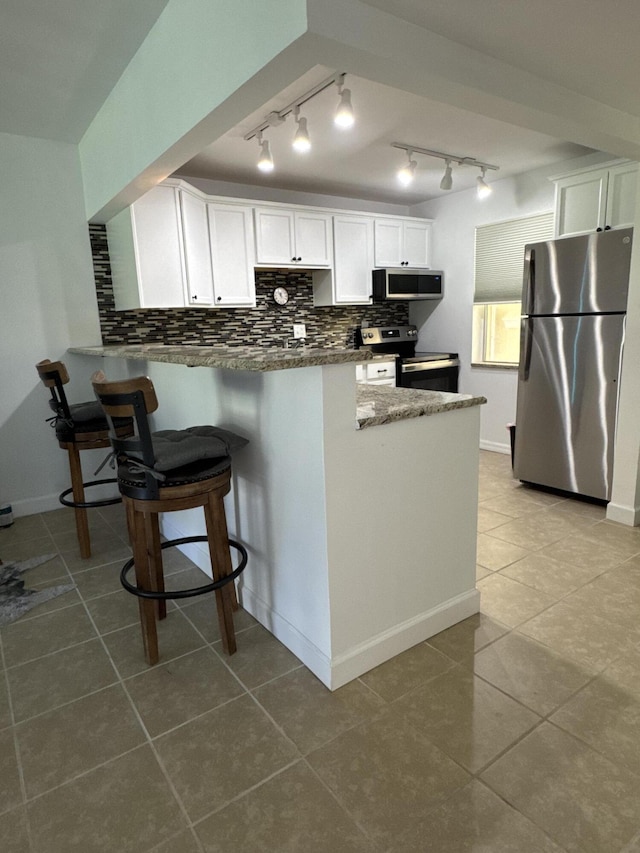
298, 258
607, 228
219, 299
194, 296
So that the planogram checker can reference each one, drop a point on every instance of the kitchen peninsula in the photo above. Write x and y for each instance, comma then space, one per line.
357, 505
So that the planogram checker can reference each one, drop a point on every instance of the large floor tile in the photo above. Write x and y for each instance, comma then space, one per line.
221, 754
27, 639
288, 814
309, 713
608, 597
606, 717
117, 552
203, 615
585, 551
125, 806
61, 744
22, 549
406, 671
387, 774
591, 640
488, 519
100, 580
542, 528
463, 640
494, 554
176, 637
531, 673
10, 788
509, 601
582, 800
5, 710
549, 575
466, 718
170, 694
14, 832
618, 536
46, 683
184, 842
25, 528
259, 658
113, 611
475, 820
519, 503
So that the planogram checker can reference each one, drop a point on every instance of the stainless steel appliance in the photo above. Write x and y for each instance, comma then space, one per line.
574, 302
429, 371
406, 285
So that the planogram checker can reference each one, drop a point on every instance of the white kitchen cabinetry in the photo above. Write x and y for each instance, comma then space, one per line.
232, 254
376, 373
292, 238
599, 198
145, 248
402, 242
353, 261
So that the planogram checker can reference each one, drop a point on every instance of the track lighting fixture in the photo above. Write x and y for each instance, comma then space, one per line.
344, 113
447, 181
405, 175
301, 142
265, 160
483, 188
407, 172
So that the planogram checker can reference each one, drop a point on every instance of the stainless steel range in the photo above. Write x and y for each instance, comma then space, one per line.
430, 371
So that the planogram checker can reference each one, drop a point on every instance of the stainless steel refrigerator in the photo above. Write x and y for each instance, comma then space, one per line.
574, 302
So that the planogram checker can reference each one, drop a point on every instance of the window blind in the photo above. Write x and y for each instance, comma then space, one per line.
500, 255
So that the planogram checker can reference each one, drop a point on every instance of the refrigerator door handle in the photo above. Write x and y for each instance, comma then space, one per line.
529, 283
526, 343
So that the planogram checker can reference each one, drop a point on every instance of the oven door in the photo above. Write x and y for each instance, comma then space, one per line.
429, 375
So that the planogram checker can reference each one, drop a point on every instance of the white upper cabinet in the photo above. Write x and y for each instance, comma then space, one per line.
292, 238
232, 255
197, 253
145, 247
350, 283
599, 198
402, 242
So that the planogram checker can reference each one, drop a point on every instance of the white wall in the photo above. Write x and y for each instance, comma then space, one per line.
446, 326
48, 304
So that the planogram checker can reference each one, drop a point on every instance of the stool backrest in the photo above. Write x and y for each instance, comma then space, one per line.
54, 376
129, 398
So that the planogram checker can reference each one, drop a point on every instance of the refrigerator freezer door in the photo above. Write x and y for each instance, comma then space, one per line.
578, 275
567, 399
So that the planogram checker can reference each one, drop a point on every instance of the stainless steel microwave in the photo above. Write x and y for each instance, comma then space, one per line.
391, 285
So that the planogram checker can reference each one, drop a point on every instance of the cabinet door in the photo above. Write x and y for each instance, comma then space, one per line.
580, 203
232, 258
313, 239
275, 240
197, 254
157, 240
416, 243
353, 259
621, 195
388, 243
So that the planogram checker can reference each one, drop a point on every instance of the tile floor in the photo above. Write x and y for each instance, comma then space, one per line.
516, 730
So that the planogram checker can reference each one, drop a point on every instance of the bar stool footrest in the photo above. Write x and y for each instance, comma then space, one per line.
185, 593
89, 504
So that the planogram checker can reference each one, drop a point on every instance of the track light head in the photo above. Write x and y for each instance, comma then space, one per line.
447, 181
344, 116
301, 142
483, 188
265, 160
407, 173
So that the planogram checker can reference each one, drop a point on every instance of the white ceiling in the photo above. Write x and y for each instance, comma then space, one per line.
60, 59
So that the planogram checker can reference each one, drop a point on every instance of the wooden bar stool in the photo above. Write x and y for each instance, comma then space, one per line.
79, 426
167, 471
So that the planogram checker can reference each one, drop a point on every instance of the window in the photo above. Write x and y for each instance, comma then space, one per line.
498, 286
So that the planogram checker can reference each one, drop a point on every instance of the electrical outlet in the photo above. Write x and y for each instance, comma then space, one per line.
299, 330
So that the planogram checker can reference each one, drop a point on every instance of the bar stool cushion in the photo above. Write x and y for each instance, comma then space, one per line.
85, 417
175, 448
131, 474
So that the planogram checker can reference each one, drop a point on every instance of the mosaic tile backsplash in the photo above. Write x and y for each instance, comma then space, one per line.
267, 324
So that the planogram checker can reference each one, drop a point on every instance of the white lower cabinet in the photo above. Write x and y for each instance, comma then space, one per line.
376, 373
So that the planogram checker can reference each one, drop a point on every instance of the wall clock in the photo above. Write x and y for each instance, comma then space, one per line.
280, 295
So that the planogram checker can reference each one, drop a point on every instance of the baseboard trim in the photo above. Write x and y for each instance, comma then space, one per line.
33, 506
336, 672
628, 515
495, 447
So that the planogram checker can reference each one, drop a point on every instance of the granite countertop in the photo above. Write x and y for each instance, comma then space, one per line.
231, 357
383, 404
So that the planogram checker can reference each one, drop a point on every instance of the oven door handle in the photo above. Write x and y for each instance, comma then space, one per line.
430, 365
